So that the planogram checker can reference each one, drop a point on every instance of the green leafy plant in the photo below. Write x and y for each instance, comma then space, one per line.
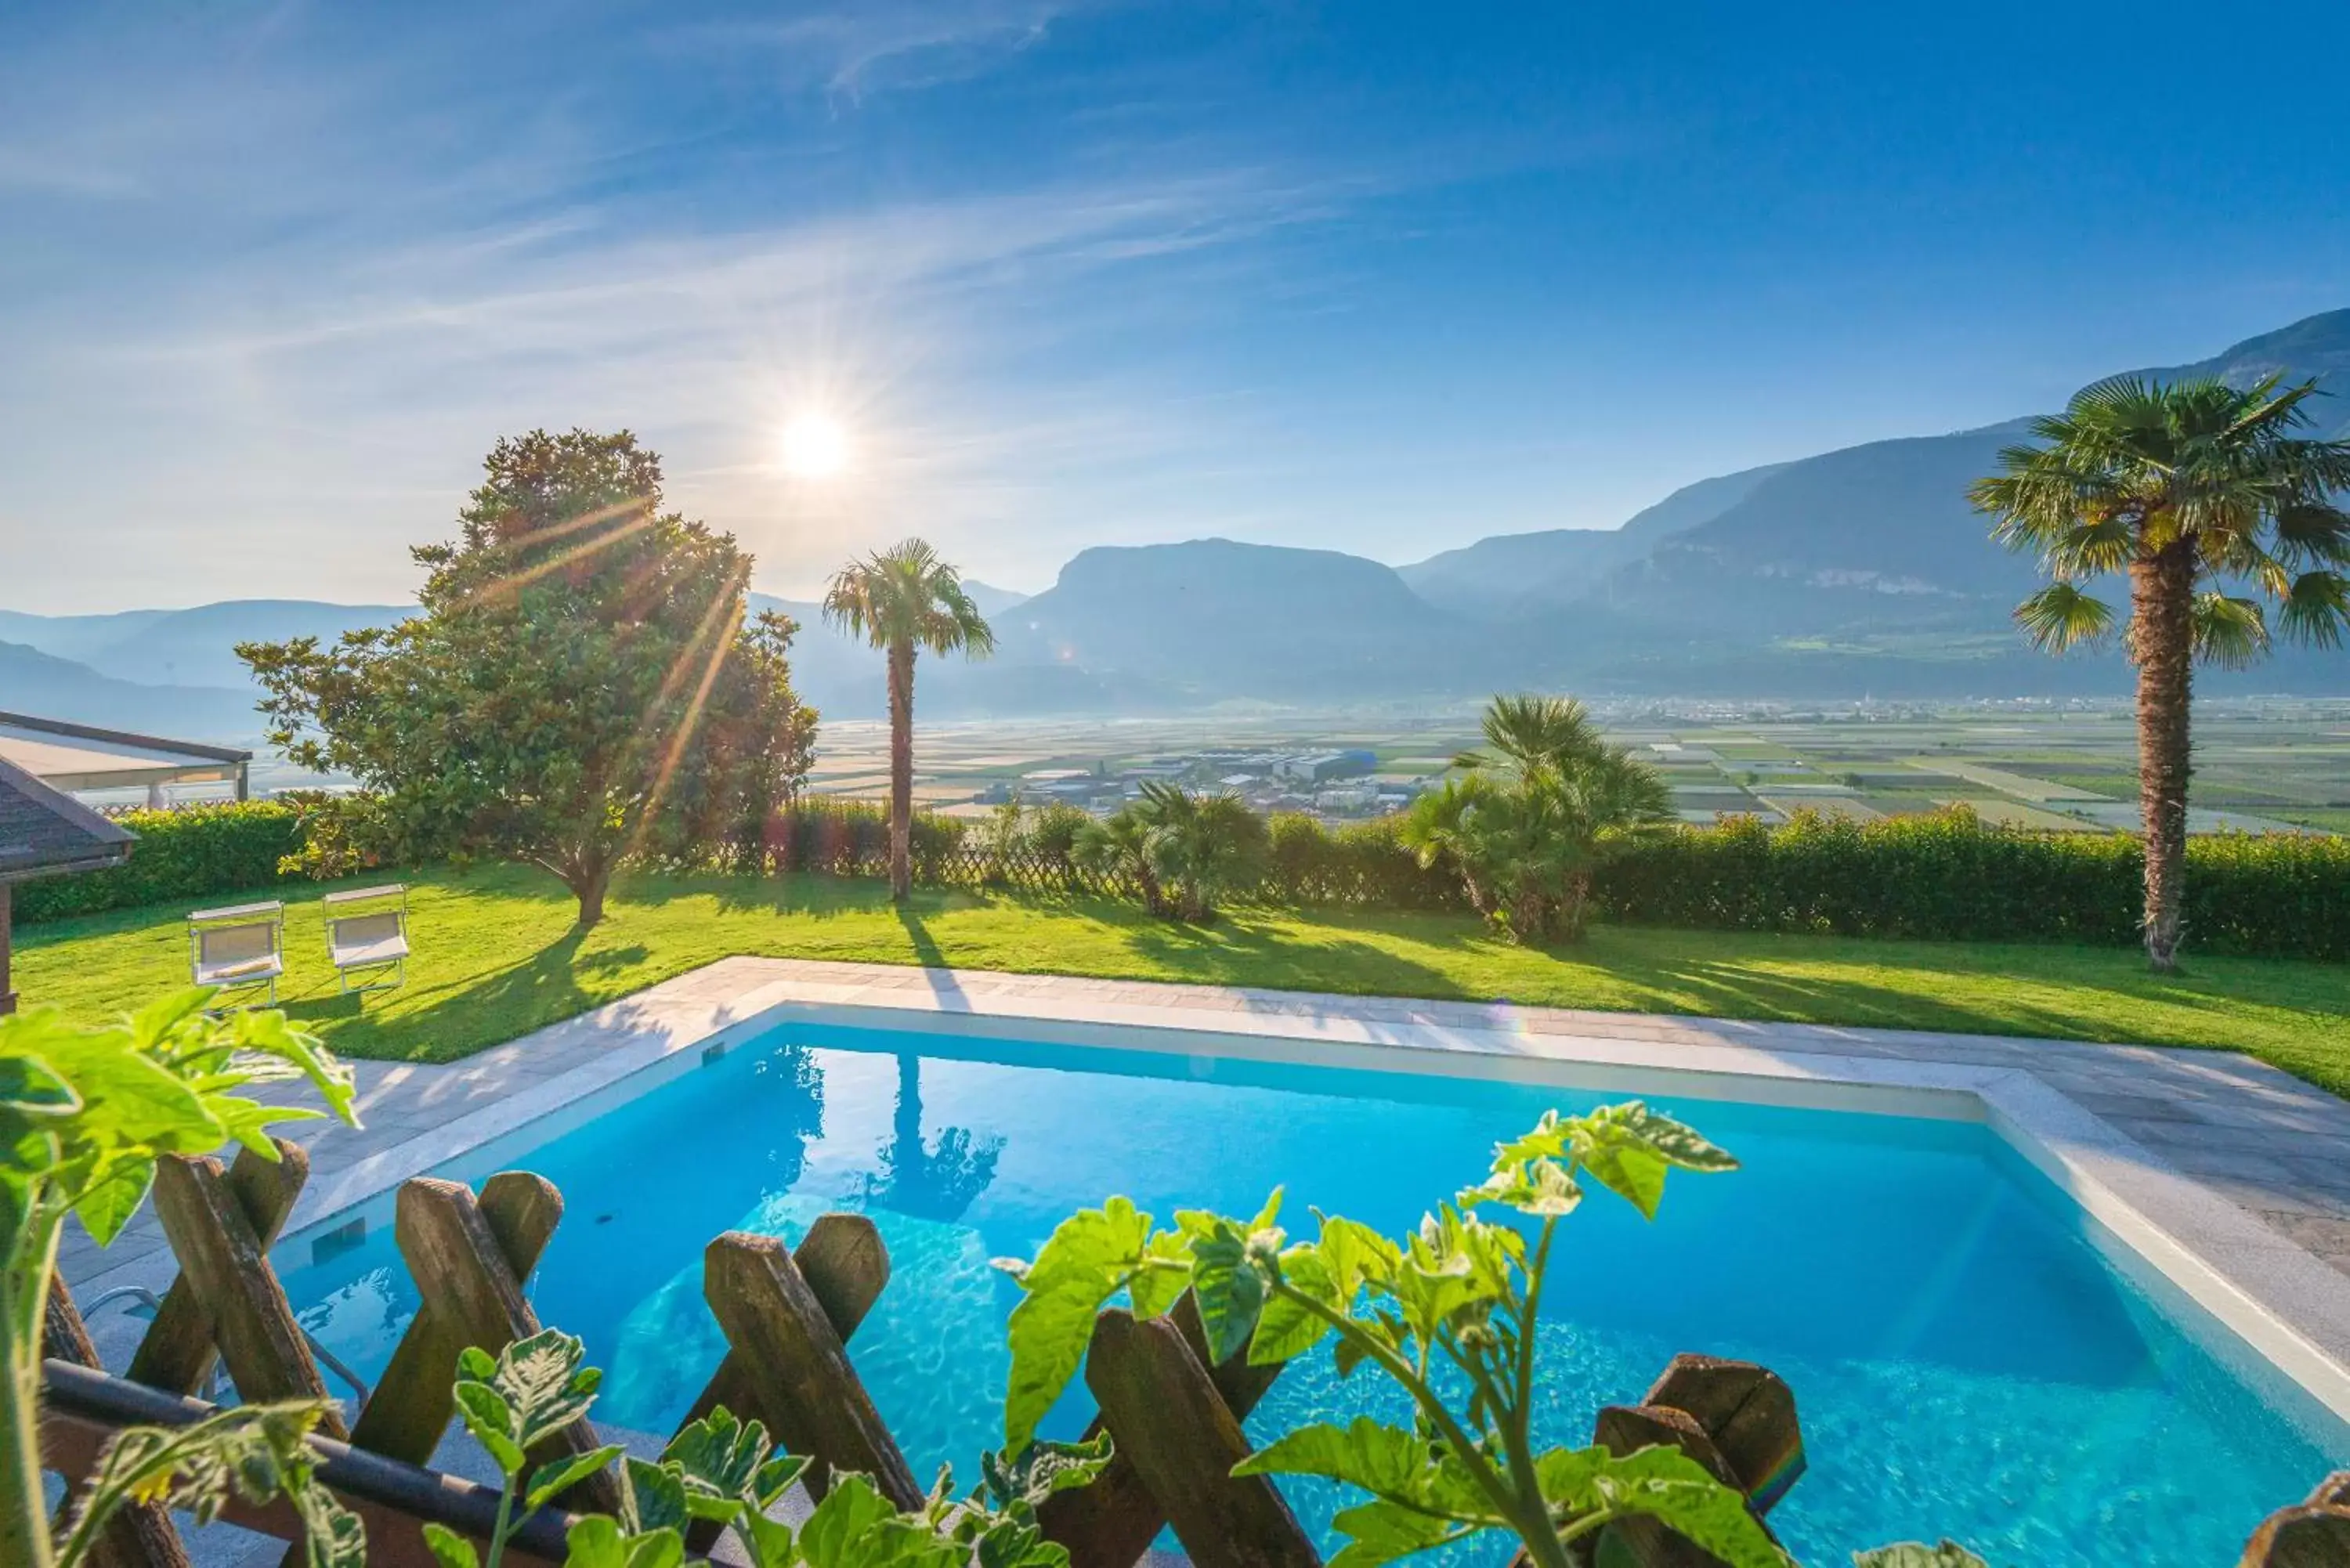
1454, 1305
1535, 815
1183, 852
723, 1472
511, 1403
192, 852
1917, 1554
1119, 849
255, 1452
85, 1114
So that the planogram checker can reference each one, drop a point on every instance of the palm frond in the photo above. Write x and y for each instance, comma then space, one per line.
2231, 633
2313, 533
907, 595
2315, 609
1533, 730
2061, 616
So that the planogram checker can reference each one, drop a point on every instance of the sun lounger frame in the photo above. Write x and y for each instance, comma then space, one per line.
380, 971
231, 975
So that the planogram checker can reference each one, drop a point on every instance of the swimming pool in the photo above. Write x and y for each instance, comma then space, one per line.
1971, 1355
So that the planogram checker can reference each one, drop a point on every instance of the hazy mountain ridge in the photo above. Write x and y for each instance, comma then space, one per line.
1857, 571
1512, 574
46, 686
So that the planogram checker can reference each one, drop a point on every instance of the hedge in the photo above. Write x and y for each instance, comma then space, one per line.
192, 853
1949, 877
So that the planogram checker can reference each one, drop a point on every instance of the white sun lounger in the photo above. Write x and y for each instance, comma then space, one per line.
367, 941
238, 946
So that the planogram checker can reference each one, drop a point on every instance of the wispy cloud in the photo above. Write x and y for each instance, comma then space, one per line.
887, 45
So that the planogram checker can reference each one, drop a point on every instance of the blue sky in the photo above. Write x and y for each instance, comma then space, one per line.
1369, 276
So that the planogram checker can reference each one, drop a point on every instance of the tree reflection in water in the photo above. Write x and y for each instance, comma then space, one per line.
929, 1181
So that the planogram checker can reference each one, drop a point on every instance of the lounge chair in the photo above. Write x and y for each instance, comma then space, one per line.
238, 946
367, 936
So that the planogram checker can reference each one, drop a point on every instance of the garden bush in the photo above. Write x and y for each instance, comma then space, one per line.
851, 838
192, 852
1950, 877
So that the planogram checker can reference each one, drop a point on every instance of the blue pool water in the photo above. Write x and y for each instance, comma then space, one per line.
1966, 1360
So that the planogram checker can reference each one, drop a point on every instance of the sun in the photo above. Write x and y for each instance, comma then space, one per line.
815, 446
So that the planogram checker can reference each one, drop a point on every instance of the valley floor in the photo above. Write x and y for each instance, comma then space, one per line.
497, 957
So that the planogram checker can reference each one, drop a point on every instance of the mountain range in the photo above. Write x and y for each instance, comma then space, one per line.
1857, 572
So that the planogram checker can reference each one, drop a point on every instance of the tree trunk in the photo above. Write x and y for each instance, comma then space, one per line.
901, 770
2162, 645
1575, 907
587, 885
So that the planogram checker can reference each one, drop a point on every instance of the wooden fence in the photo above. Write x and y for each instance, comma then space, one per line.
789, 1315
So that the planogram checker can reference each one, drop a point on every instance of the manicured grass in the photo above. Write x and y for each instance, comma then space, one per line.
497, 958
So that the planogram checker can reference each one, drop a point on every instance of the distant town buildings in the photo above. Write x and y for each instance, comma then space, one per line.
1332, 783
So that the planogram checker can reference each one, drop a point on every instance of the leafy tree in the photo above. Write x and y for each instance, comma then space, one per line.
2202, 492
1535, 814
903, 600
85, 1114
581, 686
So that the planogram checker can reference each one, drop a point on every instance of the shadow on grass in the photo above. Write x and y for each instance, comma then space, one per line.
542, 989
1234, 949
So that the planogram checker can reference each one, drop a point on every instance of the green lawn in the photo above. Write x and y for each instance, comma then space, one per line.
497, 958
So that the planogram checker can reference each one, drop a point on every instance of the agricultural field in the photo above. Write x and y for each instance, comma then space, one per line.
2261, 765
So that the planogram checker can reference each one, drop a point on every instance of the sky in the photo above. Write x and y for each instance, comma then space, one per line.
1378, 278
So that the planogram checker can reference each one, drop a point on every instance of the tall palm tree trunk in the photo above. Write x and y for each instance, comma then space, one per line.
2162, 644
901, 770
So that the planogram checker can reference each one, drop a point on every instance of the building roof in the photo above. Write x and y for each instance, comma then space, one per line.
45, 831
81, 756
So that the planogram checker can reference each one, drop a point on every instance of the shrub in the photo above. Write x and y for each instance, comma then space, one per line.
1950, 877
851, 838
192, 853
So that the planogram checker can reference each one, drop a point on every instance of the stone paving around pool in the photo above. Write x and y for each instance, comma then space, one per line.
2275, 1148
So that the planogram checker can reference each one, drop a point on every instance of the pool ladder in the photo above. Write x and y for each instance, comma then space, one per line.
216, 1384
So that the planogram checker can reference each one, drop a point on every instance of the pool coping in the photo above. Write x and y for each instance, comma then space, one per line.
2284, 1303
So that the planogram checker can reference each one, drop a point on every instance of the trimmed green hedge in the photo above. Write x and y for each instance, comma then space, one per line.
1949, 877
189, 854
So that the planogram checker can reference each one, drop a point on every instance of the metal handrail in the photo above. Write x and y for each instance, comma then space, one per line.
218, 1381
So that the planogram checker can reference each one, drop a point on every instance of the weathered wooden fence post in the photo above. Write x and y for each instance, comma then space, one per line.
467, 1280
1165, 1415
1735, 1419
409, 1413
178, 1351
222, 1263
1112, 1522
140, 1535
846, 1266
2317, 1534
800, 1381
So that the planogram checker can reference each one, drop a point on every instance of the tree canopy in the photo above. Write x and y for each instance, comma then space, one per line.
580, 685
1528, 822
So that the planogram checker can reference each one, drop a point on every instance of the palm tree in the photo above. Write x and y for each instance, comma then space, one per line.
1532, 821
2195, 489
1207, 845
1198, 847
1119, 846
903, 600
